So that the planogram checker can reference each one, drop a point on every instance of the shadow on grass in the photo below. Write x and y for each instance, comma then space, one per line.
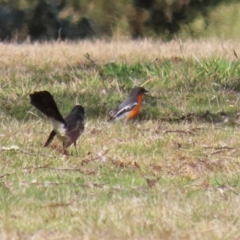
98, 108
232, 85
214, 118
19, 110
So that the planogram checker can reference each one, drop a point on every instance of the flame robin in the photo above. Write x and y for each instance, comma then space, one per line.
129, 108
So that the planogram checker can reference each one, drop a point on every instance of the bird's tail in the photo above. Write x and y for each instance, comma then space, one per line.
44, 102
50, 138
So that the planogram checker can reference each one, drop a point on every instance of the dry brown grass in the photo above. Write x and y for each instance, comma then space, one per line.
66, 54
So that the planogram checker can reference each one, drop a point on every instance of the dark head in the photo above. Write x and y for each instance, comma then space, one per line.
138, 90
79, 110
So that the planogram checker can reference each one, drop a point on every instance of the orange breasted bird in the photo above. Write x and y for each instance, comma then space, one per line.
129, 108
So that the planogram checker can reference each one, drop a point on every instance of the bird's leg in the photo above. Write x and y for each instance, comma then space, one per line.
75, 145
65, 152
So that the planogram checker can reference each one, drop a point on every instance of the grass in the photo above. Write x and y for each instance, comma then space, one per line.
173, 173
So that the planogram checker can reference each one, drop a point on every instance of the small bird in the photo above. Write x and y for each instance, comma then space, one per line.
129, 108
67, 130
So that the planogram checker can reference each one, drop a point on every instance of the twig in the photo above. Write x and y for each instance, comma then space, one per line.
59, 204
217, 152
16, 148
52, 183
152, 182
178, 131
220, 148
27, 152
59, 169
235, 54
91, 159
36, 167
33, 153
6, 174
87, 56
233, 190
88, 160
45, 184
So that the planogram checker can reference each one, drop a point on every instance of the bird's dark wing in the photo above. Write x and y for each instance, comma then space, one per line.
73, 133
75, 125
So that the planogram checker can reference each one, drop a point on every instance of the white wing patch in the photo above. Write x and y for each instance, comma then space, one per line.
123, 111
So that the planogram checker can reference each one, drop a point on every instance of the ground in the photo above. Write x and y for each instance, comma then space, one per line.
172, 173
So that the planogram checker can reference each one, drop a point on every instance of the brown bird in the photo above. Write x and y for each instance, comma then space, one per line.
67, 130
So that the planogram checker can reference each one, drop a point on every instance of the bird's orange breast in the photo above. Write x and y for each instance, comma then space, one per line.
133, 113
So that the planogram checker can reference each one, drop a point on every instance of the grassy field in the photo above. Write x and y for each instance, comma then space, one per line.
173, 173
